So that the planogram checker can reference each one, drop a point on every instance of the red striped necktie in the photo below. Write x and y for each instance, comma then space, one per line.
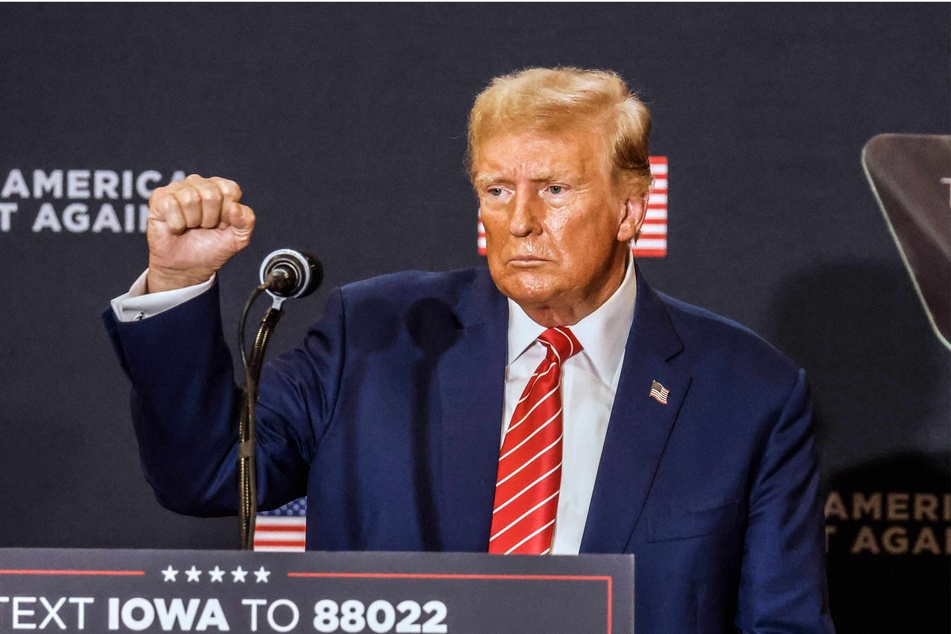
526, 491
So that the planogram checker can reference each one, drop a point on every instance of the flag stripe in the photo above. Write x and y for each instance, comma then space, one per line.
282, 530
266, 543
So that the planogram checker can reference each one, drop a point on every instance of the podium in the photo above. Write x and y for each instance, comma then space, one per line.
233, 591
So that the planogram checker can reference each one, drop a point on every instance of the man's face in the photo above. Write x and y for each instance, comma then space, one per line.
557, 226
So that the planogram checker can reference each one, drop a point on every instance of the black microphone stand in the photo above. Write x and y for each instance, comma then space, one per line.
247, 471
285, 274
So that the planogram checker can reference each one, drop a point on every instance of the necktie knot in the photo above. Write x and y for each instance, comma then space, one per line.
560, 341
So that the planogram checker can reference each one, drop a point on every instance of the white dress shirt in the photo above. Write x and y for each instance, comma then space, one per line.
589, 383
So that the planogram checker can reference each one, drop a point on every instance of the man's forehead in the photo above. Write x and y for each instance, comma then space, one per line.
538, 155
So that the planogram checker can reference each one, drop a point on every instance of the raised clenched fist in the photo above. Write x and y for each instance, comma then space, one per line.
195, 226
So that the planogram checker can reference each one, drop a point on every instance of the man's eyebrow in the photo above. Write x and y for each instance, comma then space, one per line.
486, 178
547, 177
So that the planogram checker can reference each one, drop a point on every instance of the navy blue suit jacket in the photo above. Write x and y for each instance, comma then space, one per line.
388, 417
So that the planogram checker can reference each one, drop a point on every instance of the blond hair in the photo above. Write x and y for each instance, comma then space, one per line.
551, 99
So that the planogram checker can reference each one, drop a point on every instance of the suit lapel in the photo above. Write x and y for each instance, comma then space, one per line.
471, 375
639, 426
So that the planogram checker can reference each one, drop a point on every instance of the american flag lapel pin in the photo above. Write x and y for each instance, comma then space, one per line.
659, 392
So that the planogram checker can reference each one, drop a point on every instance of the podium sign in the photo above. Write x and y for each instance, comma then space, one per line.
233, 591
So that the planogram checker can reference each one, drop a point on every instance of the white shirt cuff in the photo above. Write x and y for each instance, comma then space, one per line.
137, 305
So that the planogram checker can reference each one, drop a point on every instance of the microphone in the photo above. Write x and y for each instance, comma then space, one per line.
289, 274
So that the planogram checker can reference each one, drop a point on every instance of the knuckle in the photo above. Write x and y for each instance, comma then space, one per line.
188, 196
166, 205
157, 194
210, 195
229, 188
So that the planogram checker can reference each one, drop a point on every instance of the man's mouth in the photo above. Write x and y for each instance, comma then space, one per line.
526, 260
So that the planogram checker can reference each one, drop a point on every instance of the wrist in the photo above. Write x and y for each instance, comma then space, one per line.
158, 280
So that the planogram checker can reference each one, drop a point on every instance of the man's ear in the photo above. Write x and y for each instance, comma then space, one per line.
635, 210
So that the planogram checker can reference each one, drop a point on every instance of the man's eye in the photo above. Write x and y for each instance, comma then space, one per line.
495, 191
556, 189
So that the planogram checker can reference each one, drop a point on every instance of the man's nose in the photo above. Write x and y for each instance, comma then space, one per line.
526, 214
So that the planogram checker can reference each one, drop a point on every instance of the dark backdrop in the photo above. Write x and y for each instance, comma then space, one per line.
345, 126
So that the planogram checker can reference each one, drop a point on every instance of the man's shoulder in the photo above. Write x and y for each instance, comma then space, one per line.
428, 308
462, 296
418, 284
719, 344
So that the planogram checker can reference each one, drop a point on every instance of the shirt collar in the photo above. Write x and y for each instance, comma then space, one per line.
603, 333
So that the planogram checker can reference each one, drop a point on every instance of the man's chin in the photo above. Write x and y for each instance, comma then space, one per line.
526, 289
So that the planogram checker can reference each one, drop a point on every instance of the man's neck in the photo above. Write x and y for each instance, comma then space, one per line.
602, 333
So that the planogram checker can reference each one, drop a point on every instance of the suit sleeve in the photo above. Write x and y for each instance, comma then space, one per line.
185, 406
783, 581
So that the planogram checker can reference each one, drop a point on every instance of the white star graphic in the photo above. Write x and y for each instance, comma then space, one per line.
170, 574
216, 574
239, 574
261, 575
193, 574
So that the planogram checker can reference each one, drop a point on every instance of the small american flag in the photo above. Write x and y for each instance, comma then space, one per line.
283, 529
653, 240
659, 392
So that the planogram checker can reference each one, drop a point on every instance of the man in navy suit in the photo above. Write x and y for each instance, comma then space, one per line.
682, 437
